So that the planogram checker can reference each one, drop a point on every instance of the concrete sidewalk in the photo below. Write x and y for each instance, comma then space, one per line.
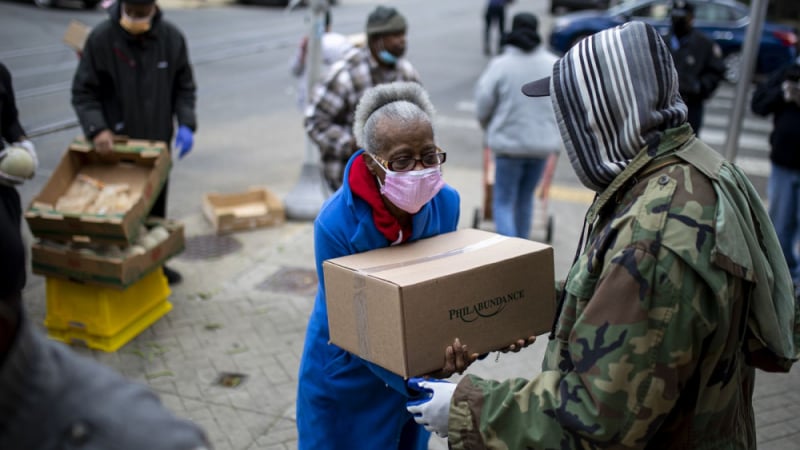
245, 314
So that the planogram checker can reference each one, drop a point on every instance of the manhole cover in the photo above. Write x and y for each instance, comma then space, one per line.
206, 246
294, 280
230, 379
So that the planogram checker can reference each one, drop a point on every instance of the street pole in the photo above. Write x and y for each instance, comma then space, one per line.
758, 12
304, 201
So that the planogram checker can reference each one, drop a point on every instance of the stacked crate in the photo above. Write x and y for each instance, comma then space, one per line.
95, 297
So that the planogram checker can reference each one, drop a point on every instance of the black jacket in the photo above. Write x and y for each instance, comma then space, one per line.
10, 129
785, 137
134, 85
700, 67
12, 249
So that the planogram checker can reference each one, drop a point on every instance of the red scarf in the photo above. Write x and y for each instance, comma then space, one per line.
364, 185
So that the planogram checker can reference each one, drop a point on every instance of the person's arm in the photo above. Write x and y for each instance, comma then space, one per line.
632, 354
185, 89
768, 96
486, 97
10, 127
86, 92
713, 73
298, 63
324, 117
327, 245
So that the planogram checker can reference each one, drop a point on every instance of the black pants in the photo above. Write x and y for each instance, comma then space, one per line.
695, 118
160, 206
12, 249
494, 14
12, 267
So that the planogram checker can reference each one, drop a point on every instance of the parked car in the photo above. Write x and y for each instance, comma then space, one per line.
572, 5
724, 21
87, 4
283, 3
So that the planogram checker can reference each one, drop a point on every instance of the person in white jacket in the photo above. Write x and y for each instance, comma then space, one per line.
524, 138
334, 47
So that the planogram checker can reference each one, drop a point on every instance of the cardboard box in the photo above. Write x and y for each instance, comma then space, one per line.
143, 165
119, 273
254, 208
400, 307
76, 34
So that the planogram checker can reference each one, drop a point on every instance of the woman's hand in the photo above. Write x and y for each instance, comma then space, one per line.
519, 345
456, 360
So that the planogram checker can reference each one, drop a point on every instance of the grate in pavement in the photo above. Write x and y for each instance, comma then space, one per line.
230, 379
205, 246
290, 279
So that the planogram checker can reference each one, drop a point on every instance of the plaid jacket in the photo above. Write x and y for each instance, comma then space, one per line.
329, 117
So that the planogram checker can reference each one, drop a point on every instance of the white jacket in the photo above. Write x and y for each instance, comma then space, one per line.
516, 125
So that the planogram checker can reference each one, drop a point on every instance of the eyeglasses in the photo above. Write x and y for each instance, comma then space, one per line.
407, 164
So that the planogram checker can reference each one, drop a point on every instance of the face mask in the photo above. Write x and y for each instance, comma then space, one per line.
410, 191
387, 58
135, 25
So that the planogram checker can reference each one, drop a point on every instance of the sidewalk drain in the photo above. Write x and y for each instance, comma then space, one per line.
230, 379
293, 280
206, 246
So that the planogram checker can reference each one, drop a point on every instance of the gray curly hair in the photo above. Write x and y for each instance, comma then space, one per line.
399, 101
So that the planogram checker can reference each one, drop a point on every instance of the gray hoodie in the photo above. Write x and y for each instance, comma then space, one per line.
516, 126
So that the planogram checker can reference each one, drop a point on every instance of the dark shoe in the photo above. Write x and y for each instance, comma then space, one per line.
173, 277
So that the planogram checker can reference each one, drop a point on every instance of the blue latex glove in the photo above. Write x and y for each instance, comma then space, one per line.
431, 408
184, 141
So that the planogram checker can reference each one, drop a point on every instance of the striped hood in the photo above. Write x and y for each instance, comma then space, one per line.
614, 94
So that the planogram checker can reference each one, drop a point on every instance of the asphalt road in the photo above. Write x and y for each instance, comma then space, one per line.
250, 131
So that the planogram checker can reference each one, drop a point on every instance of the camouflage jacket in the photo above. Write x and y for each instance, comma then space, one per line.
680, 291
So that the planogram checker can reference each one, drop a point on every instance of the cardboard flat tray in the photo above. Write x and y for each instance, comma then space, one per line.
254, 208
143, 165
72, 265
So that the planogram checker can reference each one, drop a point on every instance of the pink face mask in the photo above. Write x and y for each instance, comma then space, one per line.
410, 191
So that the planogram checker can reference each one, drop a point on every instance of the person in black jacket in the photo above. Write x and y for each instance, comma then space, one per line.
698, 61
779, 95
134, 79
12, 248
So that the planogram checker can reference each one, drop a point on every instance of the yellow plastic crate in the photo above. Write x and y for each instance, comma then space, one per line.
101, 311
112, 343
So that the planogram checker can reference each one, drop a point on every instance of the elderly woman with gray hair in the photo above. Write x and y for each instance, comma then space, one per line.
392, 193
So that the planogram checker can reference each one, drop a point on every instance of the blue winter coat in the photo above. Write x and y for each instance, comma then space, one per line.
343, 401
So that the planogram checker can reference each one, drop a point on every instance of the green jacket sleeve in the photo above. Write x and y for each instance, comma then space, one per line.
630, 353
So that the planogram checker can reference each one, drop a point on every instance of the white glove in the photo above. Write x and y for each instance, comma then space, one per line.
791, 92
432, 408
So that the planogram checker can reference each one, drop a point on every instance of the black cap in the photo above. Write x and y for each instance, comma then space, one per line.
682, 8
538, 88
139, 2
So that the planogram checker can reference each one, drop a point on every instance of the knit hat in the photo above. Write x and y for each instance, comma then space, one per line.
139, 2
385, 19
524, 32
614, 93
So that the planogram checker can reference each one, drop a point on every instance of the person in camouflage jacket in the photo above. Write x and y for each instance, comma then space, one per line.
680, 292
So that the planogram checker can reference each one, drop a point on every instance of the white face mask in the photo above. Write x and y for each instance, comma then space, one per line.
135, 25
